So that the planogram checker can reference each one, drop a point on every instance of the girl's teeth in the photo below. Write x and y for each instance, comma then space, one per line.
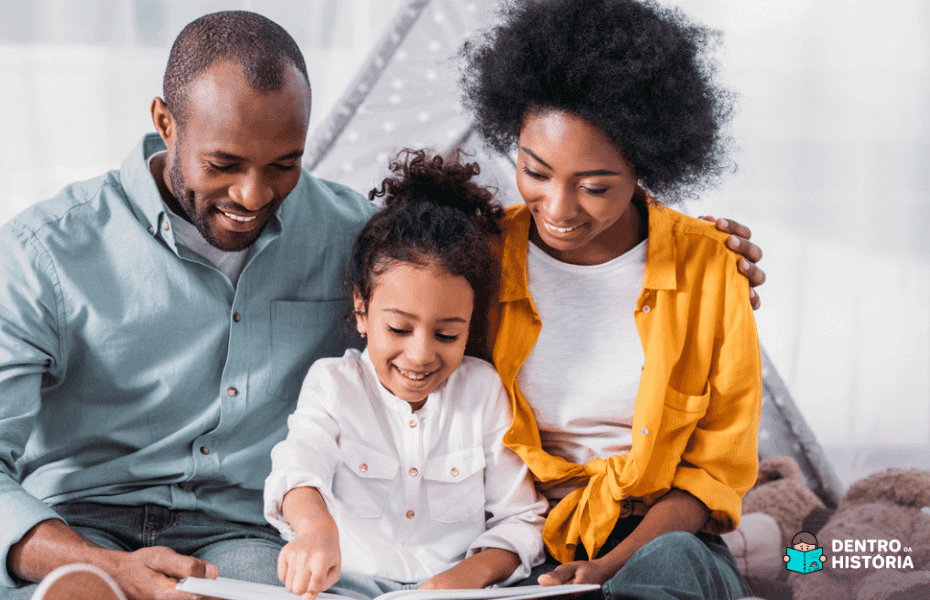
560, 229
238, 218
414, 376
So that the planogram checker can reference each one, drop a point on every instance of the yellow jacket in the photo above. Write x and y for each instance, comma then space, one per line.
696, 415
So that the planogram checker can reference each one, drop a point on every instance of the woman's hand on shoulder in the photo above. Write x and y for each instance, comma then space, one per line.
579, 571
751, 254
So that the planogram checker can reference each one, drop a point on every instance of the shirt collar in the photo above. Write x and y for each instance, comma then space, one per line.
139, 185
660, 258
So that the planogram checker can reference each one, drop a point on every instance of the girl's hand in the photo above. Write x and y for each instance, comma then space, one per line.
739, 242
479, 570
580, 571
310, 563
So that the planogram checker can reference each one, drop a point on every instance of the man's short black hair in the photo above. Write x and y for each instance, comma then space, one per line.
261, 47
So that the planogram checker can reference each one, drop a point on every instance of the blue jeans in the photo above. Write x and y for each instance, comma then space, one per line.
674, 566
239, 550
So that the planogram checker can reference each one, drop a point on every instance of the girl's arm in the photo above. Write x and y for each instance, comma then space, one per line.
675, 511
479, 570
311, 562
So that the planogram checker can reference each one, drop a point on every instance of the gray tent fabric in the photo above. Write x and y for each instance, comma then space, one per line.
407, 96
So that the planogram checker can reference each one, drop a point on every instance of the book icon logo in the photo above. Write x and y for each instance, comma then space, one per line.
804, 556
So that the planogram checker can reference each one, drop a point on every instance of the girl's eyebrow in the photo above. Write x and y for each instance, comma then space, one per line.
412, 317
578, 174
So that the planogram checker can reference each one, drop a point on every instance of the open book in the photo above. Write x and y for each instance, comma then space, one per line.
804, 562
234, 589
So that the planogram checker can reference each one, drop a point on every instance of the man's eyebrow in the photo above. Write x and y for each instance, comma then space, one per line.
578, 174
233, 158
412, 317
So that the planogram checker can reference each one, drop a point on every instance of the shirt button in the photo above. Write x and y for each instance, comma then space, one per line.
236, 317
232, 392
454, 472
644, 431
363, 468
413, 472
204, 450
410, 514
167, 227
413, 424
151, 230
646, 309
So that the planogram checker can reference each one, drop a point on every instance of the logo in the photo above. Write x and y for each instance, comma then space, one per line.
804, 556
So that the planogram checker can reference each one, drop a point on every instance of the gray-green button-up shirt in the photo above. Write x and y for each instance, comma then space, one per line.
132, 371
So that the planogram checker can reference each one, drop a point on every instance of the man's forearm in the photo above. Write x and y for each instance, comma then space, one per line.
51, 544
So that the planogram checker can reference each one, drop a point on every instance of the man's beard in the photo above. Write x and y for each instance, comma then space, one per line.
199, 214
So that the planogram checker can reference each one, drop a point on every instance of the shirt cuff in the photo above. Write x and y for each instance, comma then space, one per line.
279, 483
522, 539
26, 511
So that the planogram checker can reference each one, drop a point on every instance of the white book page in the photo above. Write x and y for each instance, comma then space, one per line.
234, 589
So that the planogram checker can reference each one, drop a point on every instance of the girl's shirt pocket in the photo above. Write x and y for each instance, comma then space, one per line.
366, 477
455, 485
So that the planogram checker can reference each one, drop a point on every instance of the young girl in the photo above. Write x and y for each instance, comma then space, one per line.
393, 469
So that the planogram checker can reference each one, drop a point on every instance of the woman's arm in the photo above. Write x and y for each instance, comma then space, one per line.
675, 511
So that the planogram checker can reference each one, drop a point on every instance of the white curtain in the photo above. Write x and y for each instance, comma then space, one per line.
833, 139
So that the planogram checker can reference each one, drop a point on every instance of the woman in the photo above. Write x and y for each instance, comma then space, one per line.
625, 335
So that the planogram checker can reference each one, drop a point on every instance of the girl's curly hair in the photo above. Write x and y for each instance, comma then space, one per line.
433, 214
640, 72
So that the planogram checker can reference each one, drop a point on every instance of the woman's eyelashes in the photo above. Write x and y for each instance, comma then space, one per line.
442, 337
594, 191
533, 174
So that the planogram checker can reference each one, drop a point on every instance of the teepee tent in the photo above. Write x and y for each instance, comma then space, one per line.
407, 95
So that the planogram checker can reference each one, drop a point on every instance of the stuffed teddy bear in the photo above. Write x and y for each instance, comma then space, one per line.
877, 543
780, 492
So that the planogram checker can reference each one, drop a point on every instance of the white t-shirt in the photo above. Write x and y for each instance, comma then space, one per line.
410, 491
582, 376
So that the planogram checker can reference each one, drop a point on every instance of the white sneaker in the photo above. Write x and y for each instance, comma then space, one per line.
78, 582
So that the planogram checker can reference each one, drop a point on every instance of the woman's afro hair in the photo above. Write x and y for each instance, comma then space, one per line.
638, 71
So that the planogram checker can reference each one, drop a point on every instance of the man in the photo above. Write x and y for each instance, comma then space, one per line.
157, 323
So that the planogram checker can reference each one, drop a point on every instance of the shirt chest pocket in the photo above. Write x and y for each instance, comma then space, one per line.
679, 419
363, 481
455, 485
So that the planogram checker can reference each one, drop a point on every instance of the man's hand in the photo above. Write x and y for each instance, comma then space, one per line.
153, 573
146, 574
580, 571
752, 254
310, 563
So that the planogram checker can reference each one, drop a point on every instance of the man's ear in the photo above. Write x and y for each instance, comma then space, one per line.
361, 313
164, 122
